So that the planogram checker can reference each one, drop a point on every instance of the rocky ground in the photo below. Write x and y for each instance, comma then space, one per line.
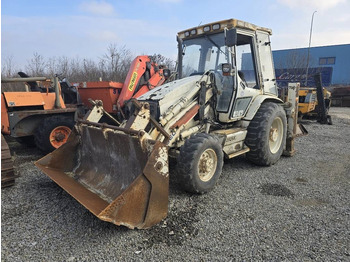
296, 210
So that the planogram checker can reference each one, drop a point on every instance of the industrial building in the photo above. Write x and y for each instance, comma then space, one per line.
333, 62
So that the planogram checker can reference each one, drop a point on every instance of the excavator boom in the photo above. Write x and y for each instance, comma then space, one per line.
143, 76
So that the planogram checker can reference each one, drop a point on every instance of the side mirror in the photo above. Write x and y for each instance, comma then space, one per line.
231, 37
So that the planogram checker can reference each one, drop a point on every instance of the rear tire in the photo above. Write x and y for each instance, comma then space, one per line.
53, 132
266, 136
200, 163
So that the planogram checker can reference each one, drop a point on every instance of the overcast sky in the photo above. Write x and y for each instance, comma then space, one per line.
85, 28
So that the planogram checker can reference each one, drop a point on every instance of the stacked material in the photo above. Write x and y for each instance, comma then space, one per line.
341, 96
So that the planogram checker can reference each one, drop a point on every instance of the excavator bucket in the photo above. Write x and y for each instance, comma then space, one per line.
120, 177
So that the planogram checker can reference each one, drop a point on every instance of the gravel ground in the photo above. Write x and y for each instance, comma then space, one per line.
296, 210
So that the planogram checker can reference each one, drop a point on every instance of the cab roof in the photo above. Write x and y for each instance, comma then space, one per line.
220, 26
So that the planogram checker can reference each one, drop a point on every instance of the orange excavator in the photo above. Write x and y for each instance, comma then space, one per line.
143, 76
47, 111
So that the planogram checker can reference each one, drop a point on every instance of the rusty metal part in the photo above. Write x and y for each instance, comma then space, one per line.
7, 171
27, 79
114, 177
59, 136
187, 117
103, 125
341, 96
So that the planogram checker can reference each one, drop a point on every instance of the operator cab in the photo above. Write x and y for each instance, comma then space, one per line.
234, 46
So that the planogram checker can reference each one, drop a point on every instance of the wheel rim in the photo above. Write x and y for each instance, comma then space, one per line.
207, 164
276, 135
59, 136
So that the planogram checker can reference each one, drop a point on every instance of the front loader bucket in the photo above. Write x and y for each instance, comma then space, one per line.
114, 175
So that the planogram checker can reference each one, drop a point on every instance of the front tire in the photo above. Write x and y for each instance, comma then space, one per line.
200, 163
53, 132
266, 136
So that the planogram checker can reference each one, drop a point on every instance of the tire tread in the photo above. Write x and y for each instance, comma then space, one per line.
186, 167
41, 137
257, 132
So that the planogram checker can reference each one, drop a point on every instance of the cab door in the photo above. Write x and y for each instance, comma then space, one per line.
266, 63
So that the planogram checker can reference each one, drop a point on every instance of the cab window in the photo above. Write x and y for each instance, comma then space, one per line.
245, 61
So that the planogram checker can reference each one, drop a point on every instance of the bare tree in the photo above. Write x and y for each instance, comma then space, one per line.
90, 70
51, 66
125, 63
8, 67
116, 62
162, 60
63, 66
36, 65
114, 65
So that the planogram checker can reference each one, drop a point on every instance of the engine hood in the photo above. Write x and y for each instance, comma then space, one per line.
168, 94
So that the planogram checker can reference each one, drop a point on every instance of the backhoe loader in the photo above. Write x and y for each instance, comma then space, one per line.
223, 104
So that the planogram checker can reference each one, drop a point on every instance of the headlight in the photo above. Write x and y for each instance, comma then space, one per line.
206, 28
193, 31
216, 26
187, 34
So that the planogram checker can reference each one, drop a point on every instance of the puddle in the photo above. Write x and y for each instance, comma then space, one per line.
276, 190
309, 202
301, 180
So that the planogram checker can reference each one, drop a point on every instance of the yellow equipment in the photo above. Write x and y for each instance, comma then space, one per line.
308, 101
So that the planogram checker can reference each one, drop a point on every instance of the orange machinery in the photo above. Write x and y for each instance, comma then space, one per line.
40, 115
143, 76
48, 114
